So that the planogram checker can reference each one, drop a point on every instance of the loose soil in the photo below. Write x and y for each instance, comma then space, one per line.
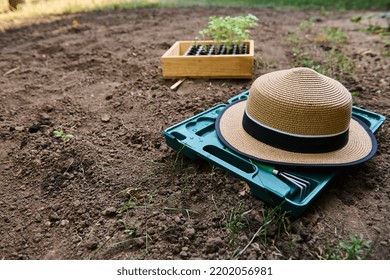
116, 190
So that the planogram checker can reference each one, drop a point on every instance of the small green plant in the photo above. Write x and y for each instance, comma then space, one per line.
65, 137
273, 217
356, 248
127, 229
277, 219
129, 204
236, 222
335, 34
307, 25
260, 62
339, 63
335, 63
354, 95
302, 59
372, 28
229, 30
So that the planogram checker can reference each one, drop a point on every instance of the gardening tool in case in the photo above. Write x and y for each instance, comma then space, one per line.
292, 188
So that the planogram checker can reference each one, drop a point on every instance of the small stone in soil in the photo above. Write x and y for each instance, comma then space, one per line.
44, 116
110, 211
213, 244
190, 232
183, 254
177, 220
91, 244
19, 128
105, 118
377, 229
139, 242
54, 216
64, 222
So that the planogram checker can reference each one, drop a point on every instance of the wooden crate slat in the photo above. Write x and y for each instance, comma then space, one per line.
176, 65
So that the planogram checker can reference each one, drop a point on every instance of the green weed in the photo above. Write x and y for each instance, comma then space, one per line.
355, 248
178, 156
261, 62
130, 203
236, 222
127, 229
276, 217
302, 59
325, 12
373, 28
354, 94
307, 25
382, 31
335, 34
65, 137
339, 63
294, 39
279, 219
333, 62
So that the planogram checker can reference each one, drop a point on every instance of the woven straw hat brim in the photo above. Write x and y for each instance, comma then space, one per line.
361, 145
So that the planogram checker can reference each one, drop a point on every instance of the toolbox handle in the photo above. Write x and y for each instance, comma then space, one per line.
224, 158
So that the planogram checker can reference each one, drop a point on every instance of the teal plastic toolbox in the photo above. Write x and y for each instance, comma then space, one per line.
196, 138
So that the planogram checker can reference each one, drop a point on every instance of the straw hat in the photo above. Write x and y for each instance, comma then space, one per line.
296, 117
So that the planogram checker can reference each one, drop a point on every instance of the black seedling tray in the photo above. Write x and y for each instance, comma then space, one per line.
196, 138
215, 50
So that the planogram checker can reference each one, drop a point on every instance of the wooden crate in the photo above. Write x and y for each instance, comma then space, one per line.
176, 65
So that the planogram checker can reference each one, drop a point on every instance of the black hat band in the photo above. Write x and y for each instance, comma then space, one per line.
293, 143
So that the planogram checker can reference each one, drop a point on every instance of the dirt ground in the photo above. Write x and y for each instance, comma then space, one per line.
116, 190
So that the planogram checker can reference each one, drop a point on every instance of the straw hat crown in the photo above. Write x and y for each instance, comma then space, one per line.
300, 101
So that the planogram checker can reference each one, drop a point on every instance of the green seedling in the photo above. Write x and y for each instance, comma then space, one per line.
382, 31
302, 59
260, 62
338, 62
373, 28
127, 205
335, 64
274, 216
325, 12
236, 222
354, 95
334, 34
175, 162
65, 137
127, 229
307, 25
229, 30
356, 248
